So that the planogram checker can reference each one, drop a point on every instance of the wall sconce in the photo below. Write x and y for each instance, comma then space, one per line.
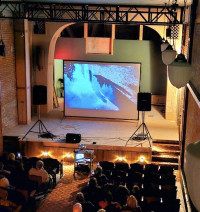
142, 159
121, 159
45, 154
68, 155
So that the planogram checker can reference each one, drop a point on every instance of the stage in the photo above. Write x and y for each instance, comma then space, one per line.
98, 134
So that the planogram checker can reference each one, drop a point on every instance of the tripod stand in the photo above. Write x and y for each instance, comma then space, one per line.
145, 132
42, 128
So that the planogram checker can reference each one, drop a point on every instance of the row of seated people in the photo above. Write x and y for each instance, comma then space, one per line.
106, 194
20, 178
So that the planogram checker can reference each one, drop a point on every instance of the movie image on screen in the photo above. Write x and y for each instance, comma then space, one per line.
107, 90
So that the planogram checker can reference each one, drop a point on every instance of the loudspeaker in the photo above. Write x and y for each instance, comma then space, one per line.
144, 102
73, 138
39, 95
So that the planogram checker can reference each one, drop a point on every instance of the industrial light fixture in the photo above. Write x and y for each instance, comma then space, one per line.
164, 45
179, 71
168, 55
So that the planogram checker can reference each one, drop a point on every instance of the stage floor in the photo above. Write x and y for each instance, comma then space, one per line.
103, 132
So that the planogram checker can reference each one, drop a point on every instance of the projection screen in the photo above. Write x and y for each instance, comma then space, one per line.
98, 89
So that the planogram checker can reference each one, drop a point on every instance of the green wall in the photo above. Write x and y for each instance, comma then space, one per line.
153, 75
58, 73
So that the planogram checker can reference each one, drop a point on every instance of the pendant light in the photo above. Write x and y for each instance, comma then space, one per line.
164, 45
179, 71
168, 55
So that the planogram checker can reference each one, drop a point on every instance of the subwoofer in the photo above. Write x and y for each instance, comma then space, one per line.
73, 138
144, 102
39, 95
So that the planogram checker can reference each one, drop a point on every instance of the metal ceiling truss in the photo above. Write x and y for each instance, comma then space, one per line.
65, 12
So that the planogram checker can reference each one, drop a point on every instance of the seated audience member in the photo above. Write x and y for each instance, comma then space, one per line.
105, 201
98, 173
4, 183
136, 191
123, 193
101, 210
40, 171
77, 207
17, 175
3, 171
9, 197
86, 206
131, 205
6, 205
91, 191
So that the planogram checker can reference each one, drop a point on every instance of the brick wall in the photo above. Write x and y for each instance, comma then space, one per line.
8, 77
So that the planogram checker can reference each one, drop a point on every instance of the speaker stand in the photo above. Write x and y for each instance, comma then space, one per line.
145, 132
41, 127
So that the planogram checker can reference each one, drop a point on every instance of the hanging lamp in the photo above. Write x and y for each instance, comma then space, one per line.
168, 55
179, 71
164, 45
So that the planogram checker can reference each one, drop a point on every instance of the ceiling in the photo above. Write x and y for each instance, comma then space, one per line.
120, 2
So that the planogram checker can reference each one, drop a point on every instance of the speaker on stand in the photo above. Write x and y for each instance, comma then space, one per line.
40, 98
143, 104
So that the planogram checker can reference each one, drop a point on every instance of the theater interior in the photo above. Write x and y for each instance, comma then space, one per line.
106, 96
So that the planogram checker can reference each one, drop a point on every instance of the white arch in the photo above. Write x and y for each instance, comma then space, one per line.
51, 64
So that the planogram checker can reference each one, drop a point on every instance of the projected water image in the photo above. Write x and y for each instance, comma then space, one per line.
99, 86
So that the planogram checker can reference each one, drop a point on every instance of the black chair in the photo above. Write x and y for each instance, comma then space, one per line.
152, 168
168, 179
137, 167
150, 177
106, 165
166, 170
122, 166
52, 166
172, 206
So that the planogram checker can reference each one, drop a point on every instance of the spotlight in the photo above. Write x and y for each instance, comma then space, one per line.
120, 158
142, 159
45, 154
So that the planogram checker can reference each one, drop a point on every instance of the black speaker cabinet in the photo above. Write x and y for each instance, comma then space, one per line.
39, 95
73, 138
144, 102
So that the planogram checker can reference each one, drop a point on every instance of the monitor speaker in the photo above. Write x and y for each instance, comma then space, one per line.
39, 95
144, 102
73, 138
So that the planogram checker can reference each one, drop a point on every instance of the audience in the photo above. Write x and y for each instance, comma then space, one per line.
101, 210
77, 207
92, 191
40, 171
131, 205
86, 206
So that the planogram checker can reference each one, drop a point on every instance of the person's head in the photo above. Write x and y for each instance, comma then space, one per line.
98, 170
135, 189
77, 207
117, 181
80, 197
101, 210
93, 182
11, 156
1, 166
132, 201
39, 164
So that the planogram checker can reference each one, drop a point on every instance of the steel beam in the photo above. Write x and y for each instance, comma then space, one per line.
91, 13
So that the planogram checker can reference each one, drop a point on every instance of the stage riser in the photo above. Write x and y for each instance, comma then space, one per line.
104, 152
